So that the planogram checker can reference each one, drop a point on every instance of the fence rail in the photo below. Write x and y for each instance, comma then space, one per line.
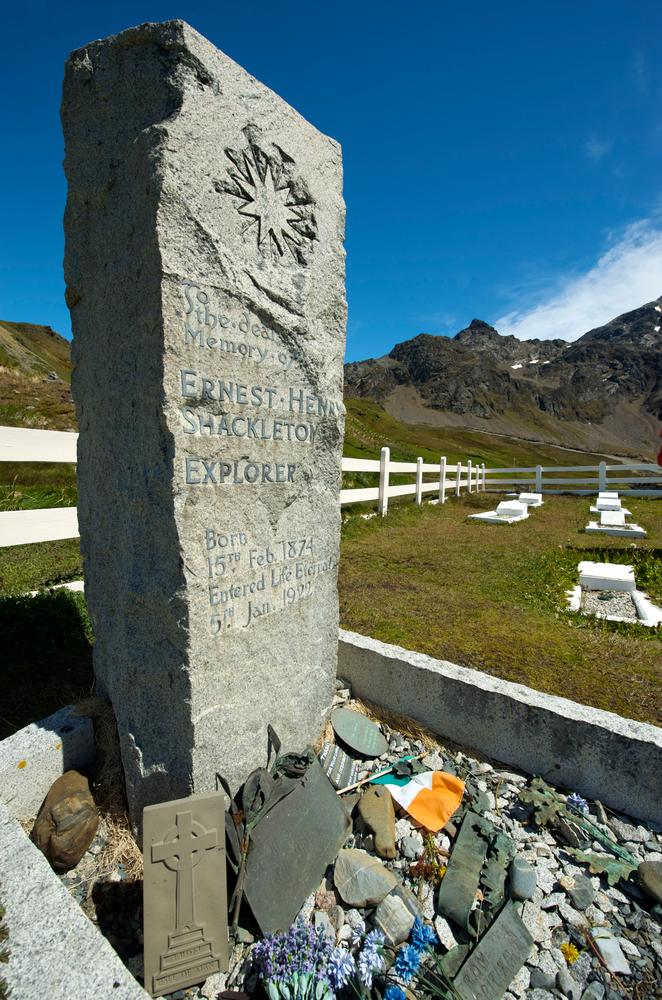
19, 444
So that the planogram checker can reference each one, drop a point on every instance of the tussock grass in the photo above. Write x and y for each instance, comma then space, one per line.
492, 597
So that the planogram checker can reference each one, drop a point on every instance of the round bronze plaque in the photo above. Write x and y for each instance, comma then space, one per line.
358, 732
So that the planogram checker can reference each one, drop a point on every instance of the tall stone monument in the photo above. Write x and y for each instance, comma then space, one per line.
205, 277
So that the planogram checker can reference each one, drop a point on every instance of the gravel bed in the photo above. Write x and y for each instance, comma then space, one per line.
621, 604
551, 915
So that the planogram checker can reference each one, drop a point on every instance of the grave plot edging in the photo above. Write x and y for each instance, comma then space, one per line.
598, 754
34, 757
55, 951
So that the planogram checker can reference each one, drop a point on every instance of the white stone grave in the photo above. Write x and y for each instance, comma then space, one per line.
606, 576
608, 503
507, 512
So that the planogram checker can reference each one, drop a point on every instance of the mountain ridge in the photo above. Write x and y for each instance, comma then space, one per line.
603, 390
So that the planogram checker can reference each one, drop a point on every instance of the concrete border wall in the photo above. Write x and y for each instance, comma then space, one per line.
598, 754
55, 951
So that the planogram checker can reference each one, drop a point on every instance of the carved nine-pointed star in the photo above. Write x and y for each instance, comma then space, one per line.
267, 204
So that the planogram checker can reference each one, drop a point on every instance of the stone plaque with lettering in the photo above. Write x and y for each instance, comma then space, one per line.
359, 732
497, 958
205, 277
185, 898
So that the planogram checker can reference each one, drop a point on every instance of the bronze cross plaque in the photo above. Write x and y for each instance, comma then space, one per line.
184, 892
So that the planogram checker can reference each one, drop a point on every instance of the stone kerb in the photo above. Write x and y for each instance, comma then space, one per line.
34, 757
205, 277
597, 754
55, 951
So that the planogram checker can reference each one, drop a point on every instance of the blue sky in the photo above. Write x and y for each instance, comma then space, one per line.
502, 159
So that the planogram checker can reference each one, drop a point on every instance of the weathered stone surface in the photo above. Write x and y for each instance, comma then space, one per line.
34, 757
56, 951
362, 880
444, 933
523, 879
410, 899
650, 877
205, 277
377, 812
541, 980
336, 915
67, 821
568, 985
581, 893
393, 919
610, 949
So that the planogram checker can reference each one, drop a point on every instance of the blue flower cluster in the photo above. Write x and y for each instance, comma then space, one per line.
578, 802
298, 958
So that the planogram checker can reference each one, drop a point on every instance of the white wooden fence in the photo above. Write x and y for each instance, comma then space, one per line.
18, 444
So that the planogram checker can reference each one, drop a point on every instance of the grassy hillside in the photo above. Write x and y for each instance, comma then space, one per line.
28, 398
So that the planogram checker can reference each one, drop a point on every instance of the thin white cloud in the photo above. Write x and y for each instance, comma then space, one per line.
597, 148
624, 278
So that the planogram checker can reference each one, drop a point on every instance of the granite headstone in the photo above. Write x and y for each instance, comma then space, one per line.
204, 266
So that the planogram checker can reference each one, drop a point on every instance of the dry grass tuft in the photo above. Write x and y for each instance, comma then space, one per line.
109, 792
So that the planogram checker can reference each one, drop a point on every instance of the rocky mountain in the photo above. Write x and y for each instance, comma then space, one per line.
603, 390
35, 377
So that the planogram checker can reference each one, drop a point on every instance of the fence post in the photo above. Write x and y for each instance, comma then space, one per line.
383, 481
602, 476
442, 479
458, 476
483, 471
419, 480
538, 478
469, 476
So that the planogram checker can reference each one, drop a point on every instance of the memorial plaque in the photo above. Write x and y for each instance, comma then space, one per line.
290, 849
497, 958
184, 892
204, 264
359, 732
340, 769
458, 886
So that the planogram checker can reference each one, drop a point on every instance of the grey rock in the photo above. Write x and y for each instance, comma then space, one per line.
410, 847
523, 879
568, 985
539, 995
207, 553
609, 947
393, 919
353, 918
411, 901
594, 991
336, 915
322, 923
625, 832
541, 980
581, 892
444, 933
650, 877
361, 879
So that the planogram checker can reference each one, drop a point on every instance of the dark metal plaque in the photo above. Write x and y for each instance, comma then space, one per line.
359, 732
459, 884
290, 849
496, 959
340, 769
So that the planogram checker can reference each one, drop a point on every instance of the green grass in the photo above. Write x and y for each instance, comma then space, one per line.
46, 656
43, 564
492, 596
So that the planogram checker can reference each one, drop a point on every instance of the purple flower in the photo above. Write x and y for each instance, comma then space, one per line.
359, 931
578, 802
370, 960
340, 967
421, 935
407, 962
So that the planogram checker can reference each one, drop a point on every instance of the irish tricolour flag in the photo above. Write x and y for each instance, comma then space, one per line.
430, 798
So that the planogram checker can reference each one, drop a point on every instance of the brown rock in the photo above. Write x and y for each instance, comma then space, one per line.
67, 822
377, 812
